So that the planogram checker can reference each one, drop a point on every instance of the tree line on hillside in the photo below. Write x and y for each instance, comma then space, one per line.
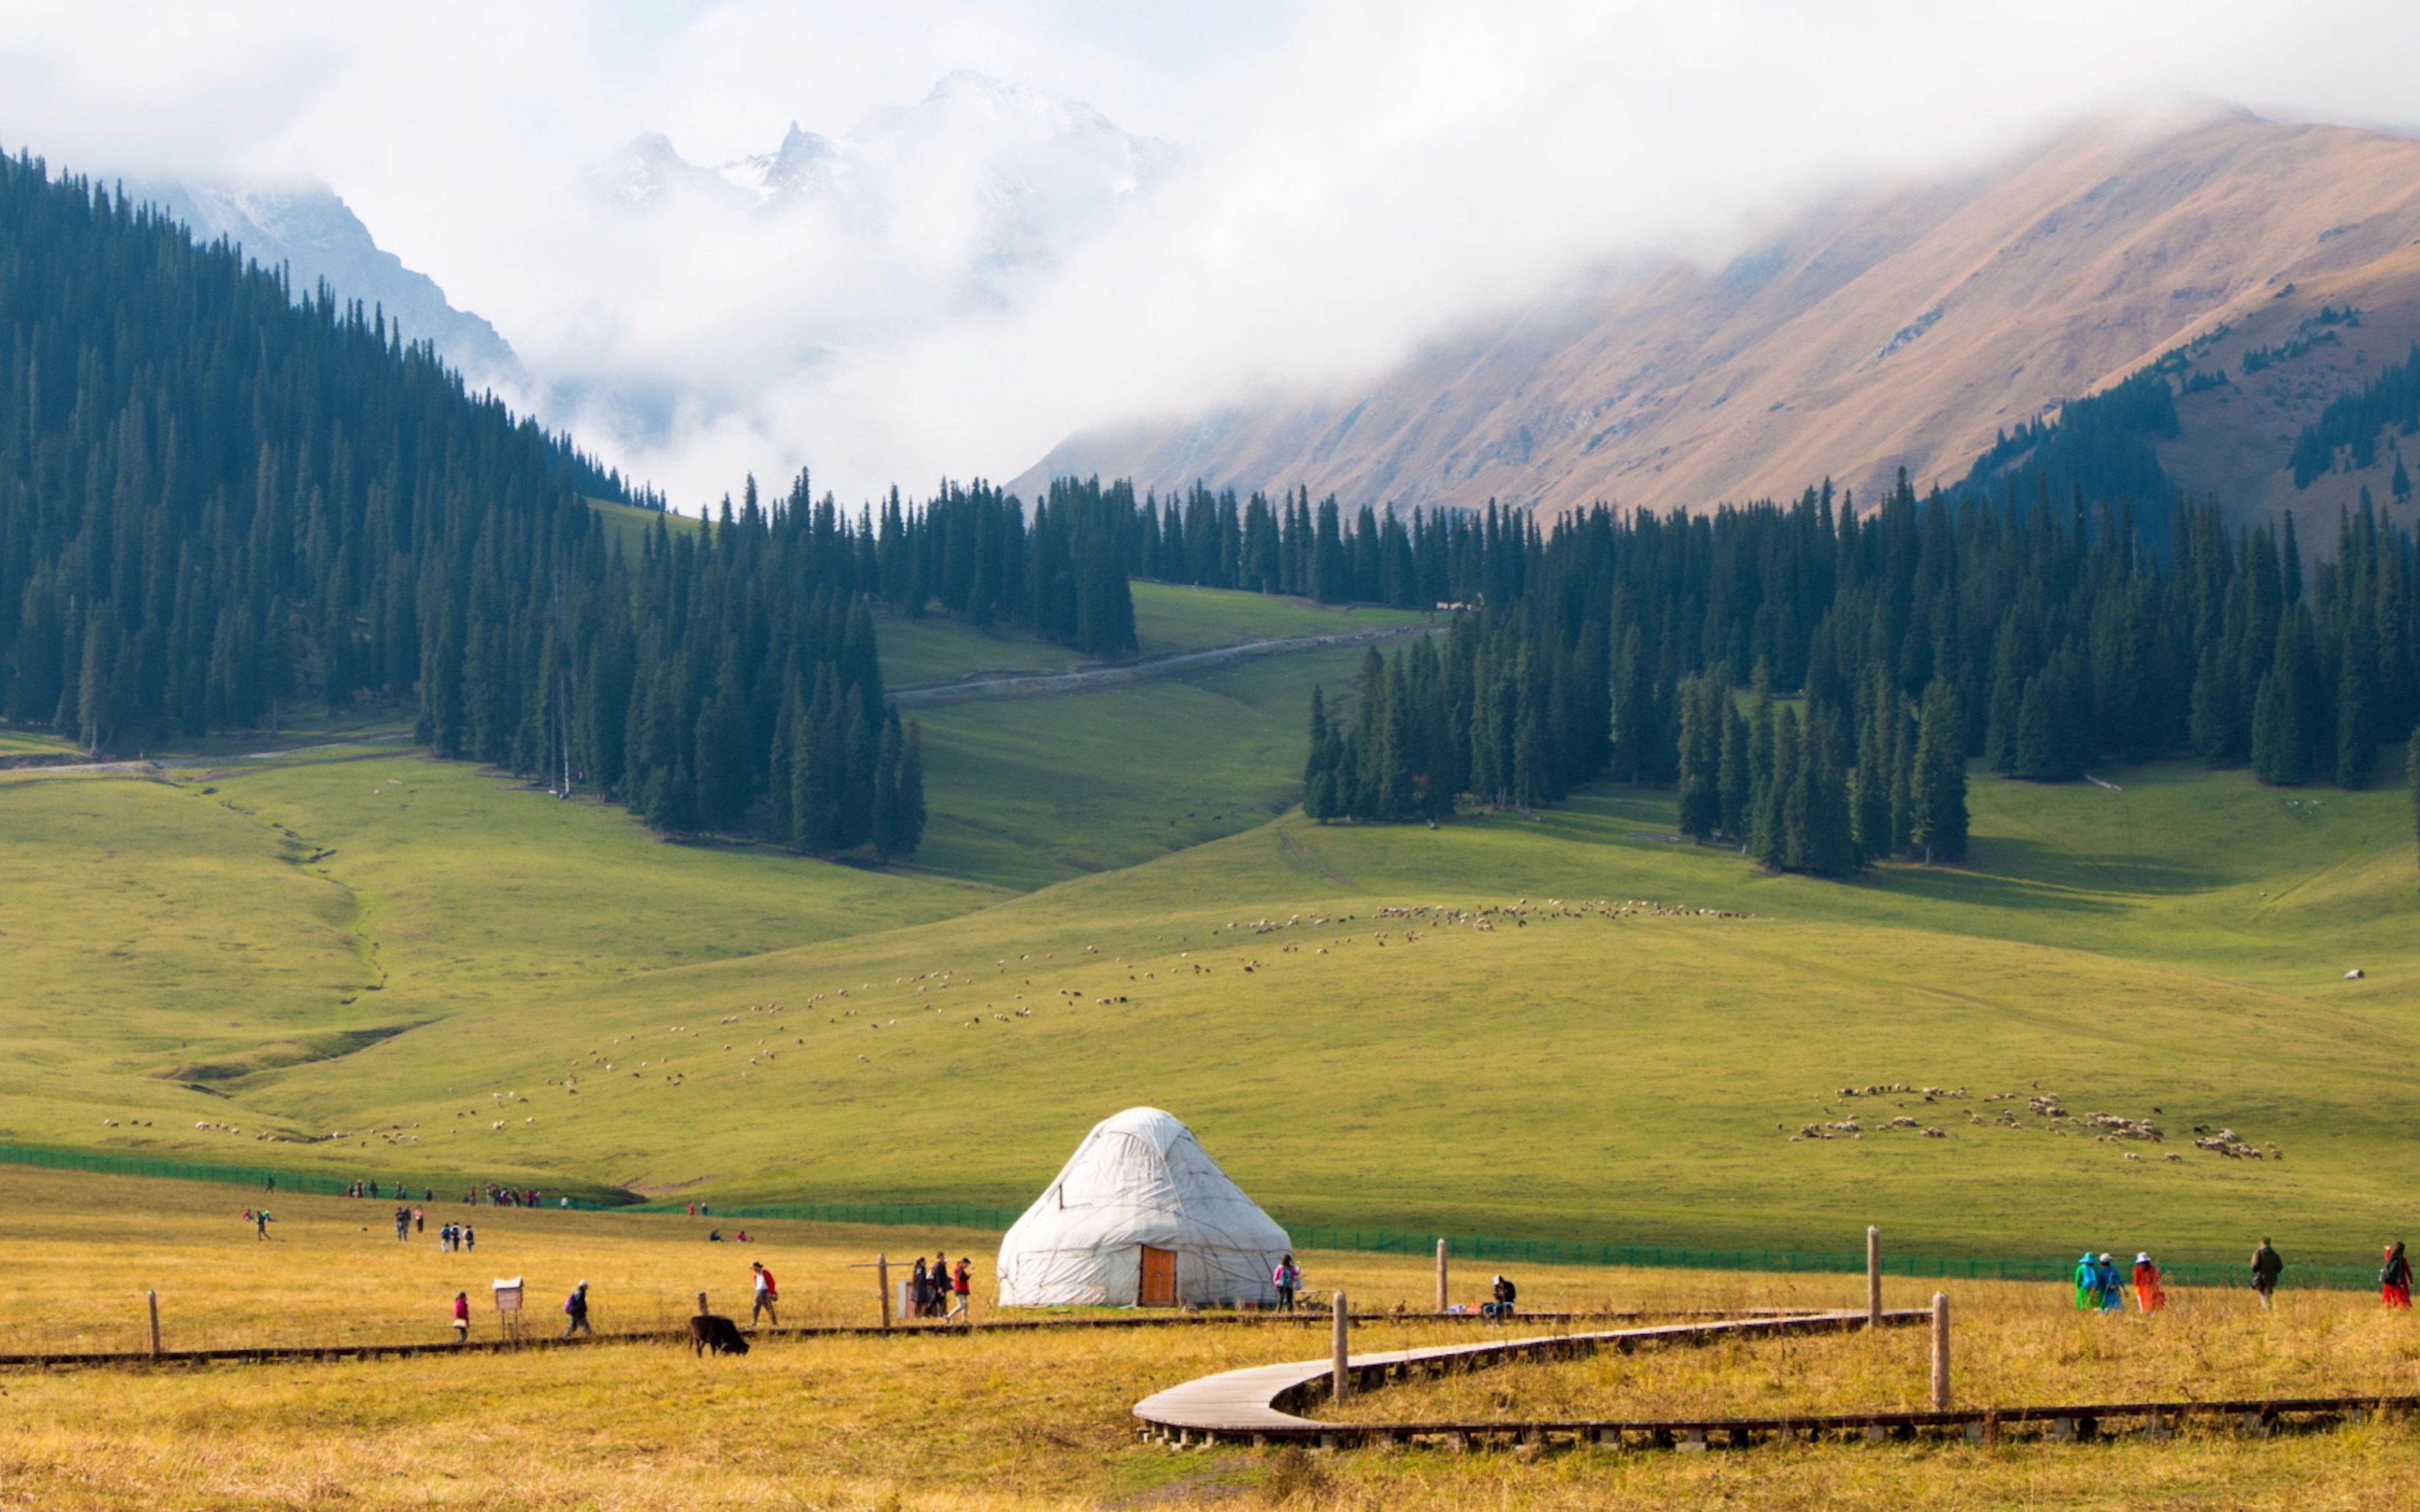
2348, 431
1293, 546
2040, 639
217, 503
1059, 570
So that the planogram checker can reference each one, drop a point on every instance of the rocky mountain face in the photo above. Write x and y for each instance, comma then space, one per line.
1884, 329
312, 231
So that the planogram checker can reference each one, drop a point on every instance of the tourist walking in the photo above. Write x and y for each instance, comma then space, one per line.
461, 1317
420, 1220
767, 1295
575, 1308
1287, 1278
962, 1287
261, 1221
2088, 1284
919, 1294
2267, 1266
941, 1277
2113, 1289
2149, 1294
2394, 1277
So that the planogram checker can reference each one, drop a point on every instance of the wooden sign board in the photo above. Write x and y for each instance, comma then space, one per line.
508, 1295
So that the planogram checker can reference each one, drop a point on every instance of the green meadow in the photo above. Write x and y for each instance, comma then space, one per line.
1117, 905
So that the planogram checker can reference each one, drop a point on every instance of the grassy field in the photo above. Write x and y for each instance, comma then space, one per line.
1630, 1076
1169, 619
355, 959
945, 1419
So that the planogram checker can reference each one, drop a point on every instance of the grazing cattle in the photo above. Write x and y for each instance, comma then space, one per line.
712, 1331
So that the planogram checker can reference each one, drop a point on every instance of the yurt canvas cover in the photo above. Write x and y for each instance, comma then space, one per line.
1140, 1181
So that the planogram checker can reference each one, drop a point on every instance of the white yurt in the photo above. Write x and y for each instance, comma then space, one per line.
1141, 1215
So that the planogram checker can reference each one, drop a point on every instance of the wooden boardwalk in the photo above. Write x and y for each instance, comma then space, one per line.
1265, 1402
404, 1350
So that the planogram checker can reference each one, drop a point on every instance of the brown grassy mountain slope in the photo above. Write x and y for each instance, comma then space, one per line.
1880, 331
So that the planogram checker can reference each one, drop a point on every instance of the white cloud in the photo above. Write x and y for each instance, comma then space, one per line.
1355, 173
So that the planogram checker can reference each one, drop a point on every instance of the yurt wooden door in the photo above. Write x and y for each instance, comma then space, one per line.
1158, 1287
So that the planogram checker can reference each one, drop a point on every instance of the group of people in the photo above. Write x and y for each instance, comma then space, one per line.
506, 1197
935, 1291
456, 1237
408, 1220
2099, 1288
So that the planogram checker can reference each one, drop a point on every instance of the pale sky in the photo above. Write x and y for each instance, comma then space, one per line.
1353, 176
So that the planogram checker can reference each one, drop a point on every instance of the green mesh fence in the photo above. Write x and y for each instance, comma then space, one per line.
314, 1184
1488, 1249
1478, 1248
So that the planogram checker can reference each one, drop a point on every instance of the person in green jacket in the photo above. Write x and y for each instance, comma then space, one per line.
2088, 1284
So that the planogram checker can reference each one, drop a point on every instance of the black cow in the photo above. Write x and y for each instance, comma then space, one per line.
712, 1331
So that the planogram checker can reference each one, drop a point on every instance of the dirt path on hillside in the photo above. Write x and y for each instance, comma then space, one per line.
153, 766
1026, 685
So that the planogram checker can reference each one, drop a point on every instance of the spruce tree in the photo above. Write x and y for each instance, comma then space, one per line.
1734, 780
1319, 775
1701, 729
1939, 832
2356, 747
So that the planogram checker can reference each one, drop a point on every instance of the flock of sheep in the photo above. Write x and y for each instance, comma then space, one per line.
2044, 1108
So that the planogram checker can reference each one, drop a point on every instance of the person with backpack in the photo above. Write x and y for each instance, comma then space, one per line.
1504, 1294
575, 1308
1287, 1278
469, 1236
2149, 1294
767, 1295
2112, 1286
461, 1317
2395, 1279
2267, 1266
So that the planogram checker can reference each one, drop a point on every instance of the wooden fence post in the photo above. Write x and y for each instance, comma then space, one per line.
1941, 1352
882, 1284
1441, 1302
1873, 1277
1343, 1378
152, 1300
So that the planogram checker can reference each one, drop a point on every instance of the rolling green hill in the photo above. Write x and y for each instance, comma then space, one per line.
359, 939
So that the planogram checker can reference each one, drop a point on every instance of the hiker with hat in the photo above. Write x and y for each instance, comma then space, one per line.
2112, 1291
2149, 1294
575, 1308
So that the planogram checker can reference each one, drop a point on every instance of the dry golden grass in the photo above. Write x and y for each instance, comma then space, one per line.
1023, 1419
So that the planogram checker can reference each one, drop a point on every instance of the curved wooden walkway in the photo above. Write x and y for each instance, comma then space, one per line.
1265, 1402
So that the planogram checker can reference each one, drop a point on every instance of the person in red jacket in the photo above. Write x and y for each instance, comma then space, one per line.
962, 1285
462, 1315
767, 1294
2394, 1277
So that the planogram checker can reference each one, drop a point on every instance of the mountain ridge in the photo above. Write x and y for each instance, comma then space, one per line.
1883, 328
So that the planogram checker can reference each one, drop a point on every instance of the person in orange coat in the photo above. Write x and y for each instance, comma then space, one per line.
2149, 1293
